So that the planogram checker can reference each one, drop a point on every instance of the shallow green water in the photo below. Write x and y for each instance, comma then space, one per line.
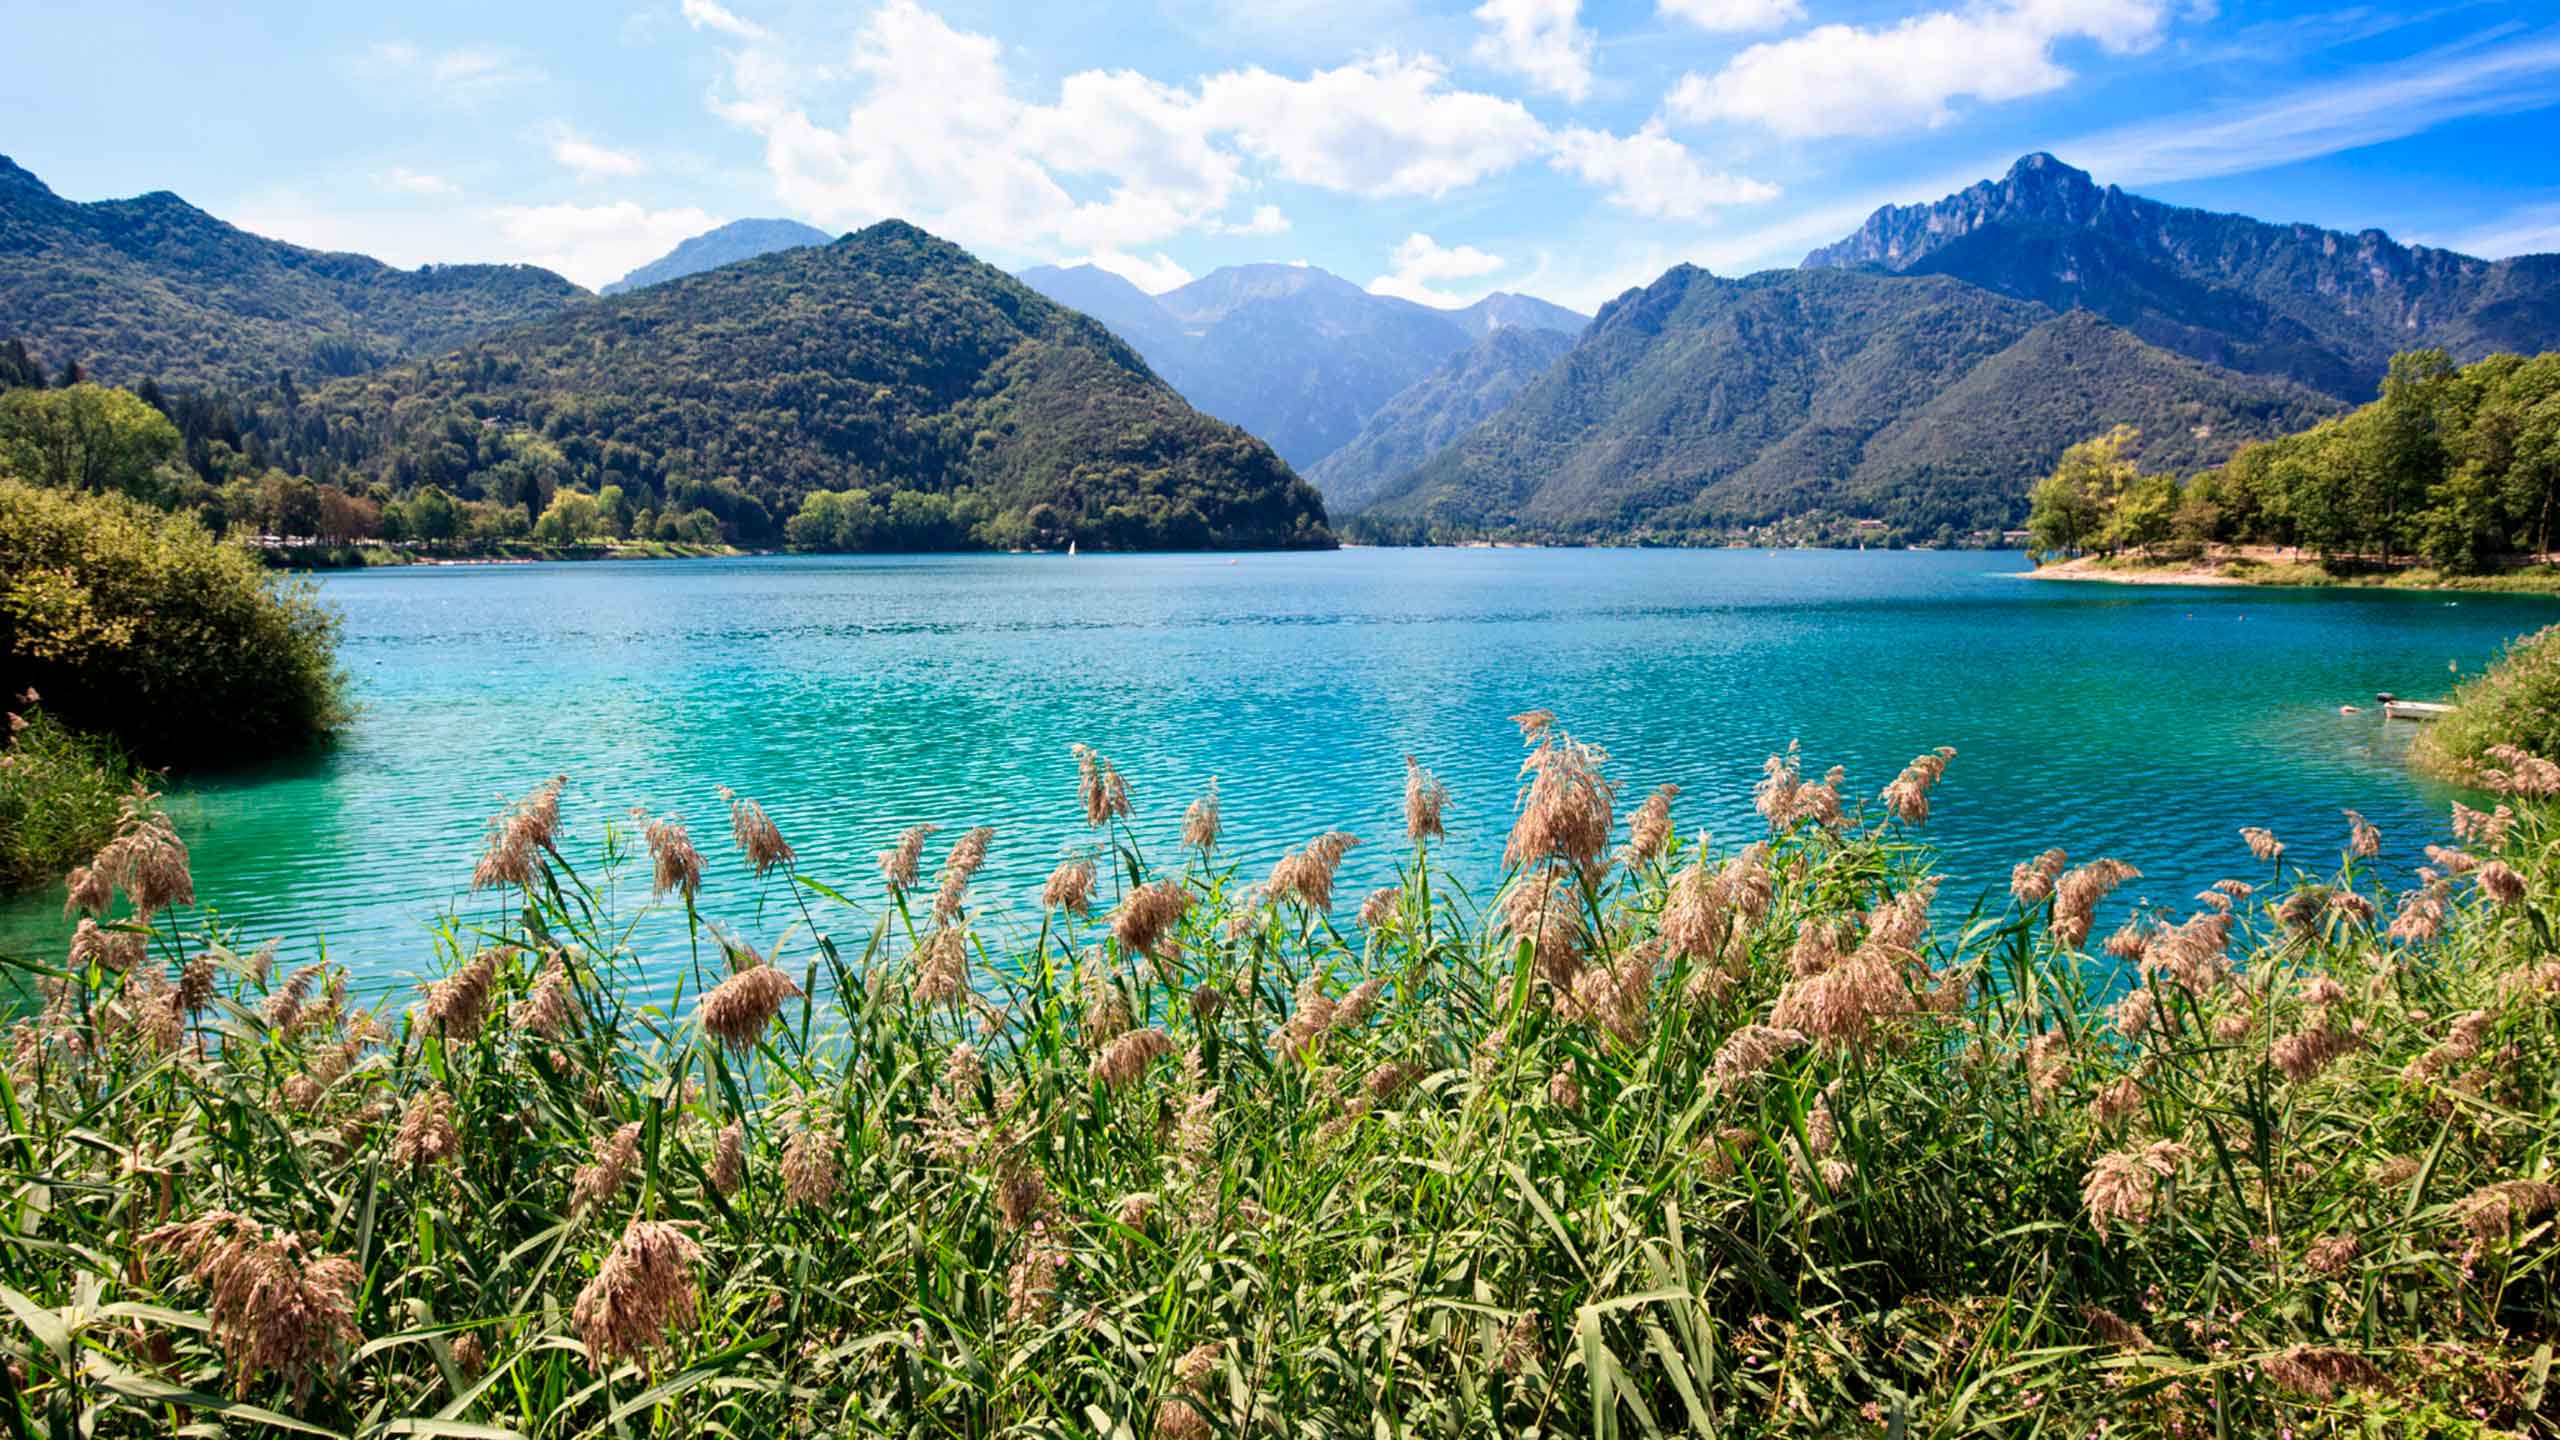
856, 696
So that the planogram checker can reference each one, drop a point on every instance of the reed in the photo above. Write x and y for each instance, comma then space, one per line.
1774, 1141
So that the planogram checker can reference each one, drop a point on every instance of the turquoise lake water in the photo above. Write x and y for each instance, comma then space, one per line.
856, 696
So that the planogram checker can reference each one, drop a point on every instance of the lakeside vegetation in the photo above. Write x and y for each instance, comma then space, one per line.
2516, 701
1770, 1140
2450, 477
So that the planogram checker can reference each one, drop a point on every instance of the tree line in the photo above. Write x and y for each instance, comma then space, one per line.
2454, 466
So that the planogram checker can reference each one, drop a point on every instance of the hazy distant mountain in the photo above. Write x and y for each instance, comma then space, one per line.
1418, 421
1700, 404
2323, 307
735, 241
968, 408
1298, 356
154, 288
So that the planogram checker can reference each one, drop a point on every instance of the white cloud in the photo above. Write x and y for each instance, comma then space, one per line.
592, 244
2485, 76
2525, 230
1542, 41
1154, 274
1733, 15
704, 15
937, 131
590, 160
1387, 125
415, 182
1844, 80
462, 78
1421, 262
1652, 174
1266, 220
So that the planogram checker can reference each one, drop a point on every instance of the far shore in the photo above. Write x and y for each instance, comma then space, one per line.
2276, 566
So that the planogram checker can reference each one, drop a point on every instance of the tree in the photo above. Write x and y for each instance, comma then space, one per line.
2068, 509
433, 517
86, 437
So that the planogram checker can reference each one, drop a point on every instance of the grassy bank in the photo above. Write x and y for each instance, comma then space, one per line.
1772, 1141
2272, 565
2515, 702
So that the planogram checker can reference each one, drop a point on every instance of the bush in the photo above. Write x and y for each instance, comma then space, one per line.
60, 794
142, 625
2516, 701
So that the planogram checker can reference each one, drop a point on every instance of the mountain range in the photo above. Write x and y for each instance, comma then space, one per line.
154, 288
1915, 376
1298, 356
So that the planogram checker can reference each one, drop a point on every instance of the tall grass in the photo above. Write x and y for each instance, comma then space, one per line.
60, 794
2516, 701
1771, 1142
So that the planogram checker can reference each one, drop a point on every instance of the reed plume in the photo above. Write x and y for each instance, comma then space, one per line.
958, 871
1099, 786
1306, 875
273, 1304
737, 1010
458, 1005
1147, 917
899, 864
728, 1159
547, 1007
426, 1131
145, 859
2122, 1187
642, 1295
512, 856
1908, 796
673, 862
1070, 887
602, 1176
1565, 805
1127, 1057
1379, 909
810, 1163
2262, 843
1424, 800
1649, 829
759, 840
941, 967
1200, 821
2077, 893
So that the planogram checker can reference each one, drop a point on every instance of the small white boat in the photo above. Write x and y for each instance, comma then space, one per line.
2395, 708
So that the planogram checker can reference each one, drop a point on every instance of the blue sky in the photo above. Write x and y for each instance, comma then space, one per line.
1560, 148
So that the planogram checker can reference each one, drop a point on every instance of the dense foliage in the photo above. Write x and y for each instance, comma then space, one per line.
2516, 701
60, 794
1751, 1143
137, 623
153, 288
888, 361
1701, 405
2321, 307
2459, 468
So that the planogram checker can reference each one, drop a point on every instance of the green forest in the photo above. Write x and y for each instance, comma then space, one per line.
2457, 468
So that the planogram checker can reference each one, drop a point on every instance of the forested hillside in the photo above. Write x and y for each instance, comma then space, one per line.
1701, 406
968, 410
153, 288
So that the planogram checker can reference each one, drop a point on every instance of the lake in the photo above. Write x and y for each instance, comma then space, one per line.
854, 696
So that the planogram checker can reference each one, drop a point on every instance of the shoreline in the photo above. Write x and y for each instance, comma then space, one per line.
2272, 571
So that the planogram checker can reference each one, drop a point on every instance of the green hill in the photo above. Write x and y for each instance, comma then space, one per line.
153, 288
1706, 405
889, 362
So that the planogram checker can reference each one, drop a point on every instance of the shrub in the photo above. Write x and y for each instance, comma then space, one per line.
60, 794
142, 625
2516, 701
